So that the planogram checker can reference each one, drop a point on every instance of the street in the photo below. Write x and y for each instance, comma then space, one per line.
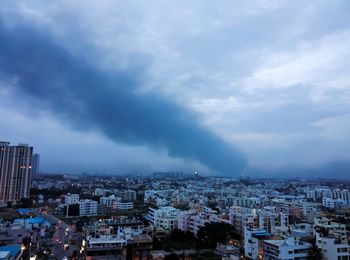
63, 238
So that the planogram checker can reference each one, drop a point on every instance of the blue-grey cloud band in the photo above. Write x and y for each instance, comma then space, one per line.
88, 98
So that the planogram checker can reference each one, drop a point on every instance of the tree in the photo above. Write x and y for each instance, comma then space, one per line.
315, 253
172, 256
216, 232
179, 235
157, 245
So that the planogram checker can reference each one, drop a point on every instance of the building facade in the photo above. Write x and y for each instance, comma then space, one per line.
35, 166
286, 249
15, 171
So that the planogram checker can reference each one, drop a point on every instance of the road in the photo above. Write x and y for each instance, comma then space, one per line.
62, 237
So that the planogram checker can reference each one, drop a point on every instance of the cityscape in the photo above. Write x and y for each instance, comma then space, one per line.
167, 215
174, 130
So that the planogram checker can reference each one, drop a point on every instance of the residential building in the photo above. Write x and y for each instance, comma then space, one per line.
333, 203
15, 171
332, 239
286, 249
164, 217
70, 199
129, 195
88, 207
253, 242
124, 205
110, 201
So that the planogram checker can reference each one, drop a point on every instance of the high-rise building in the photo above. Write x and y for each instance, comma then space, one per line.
15, 171
35, 166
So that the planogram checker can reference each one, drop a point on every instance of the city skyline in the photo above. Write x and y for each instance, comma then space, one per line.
260, 88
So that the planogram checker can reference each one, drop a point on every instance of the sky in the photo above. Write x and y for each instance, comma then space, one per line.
218, 87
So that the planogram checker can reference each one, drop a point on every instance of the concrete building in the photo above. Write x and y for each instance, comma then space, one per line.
332, 239
271, 221
124, 205
286, 249
15, 171
198, 220
70, 199
105, 247
164, 217
88, 207
184, 219
99, 192
342, 195
128, 196
265, 218
193, 220
253, 242
333, 203
110, 202
35, 166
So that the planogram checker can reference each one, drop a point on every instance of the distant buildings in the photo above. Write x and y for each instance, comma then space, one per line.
171, 175
15, 171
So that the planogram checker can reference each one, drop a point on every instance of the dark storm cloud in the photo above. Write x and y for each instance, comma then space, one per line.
88, 98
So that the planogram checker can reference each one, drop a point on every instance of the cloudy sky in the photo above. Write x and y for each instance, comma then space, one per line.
141, 86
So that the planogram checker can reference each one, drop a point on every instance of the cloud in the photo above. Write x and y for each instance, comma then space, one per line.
259, 74
320, 64
87, 98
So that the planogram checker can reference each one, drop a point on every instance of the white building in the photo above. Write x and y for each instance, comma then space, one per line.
184, 219
99, 192
69, 199
161, 202
301, 230
270, 221
333, 203
110, 201
253, 239
164, 217
199, 220
193, 220
246, 201
128, 196
333, 247
332, 239
124, 205
88, 207
266, 219
341, 194
288, 248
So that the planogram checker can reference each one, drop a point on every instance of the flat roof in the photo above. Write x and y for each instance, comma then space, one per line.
13, 249
261, 234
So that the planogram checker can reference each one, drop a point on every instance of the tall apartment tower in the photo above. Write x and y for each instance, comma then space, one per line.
15, 171
35, 166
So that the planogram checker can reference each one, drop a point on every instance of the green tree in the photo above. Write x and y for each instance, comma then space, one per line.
216, 232
315, 253
172, 256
